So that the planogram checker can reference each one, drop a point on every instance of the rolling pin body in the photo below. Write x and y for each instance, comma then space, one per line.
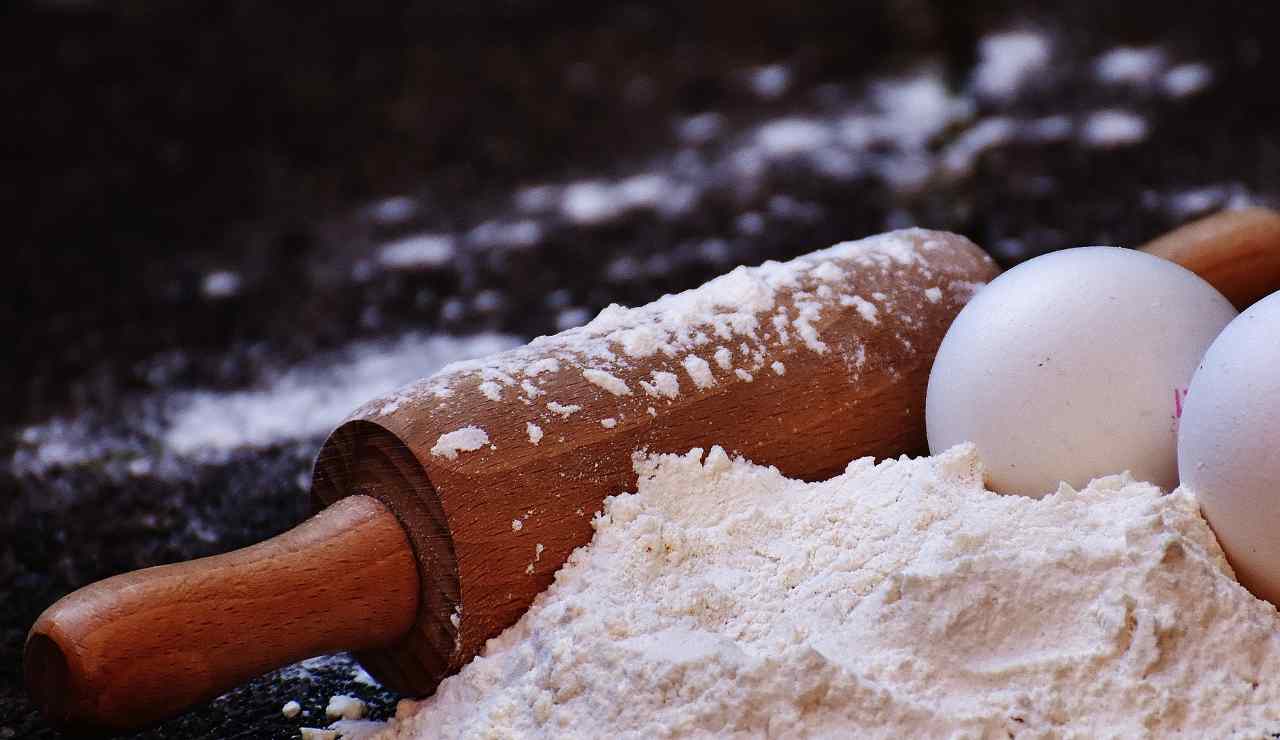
496, 467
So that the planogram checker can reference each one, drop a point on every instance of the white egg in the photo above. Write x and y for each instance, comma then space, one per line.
1229, 444
1072, 366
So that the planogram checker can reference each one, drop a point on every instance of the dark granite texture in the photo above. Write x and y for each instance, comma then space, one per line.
149, 145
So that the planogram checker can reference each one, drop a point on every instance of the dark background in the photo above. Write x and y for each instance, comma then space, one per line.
148, 145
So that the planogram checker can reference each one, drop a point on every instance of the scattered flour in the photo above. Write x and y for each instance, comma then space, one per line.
699, 371
360, 675
312, 398
961, 154
344, 707
770, 82
866, 309
664, 384
356, 729
538, 367
699, 129
394, 210
896, 600
220, 284
1008, 60
1130, 65
564, 410
425, 250
466, 439
292, 405
1187, 79
1113, 128
611, 383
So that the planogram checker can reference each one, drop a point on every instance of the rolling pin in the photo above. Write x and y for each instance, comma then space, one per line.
446, 507
1237, 252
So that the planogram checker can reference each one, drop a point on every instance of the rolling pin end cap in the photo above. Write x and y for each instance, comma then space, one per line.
49, 684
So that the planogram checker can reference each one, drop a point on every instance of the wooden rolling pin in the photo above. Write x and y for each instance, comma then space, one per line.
445, 508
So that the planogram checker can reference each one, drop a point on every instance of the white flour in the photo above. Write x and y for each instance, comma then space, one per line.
466, 439
895, 600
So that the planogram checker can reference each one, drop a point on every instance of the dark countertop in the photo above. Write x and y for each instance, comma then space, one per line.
203, 194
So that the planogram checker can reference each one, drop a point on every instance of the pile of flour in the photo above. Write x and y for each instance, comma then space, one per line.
895, 600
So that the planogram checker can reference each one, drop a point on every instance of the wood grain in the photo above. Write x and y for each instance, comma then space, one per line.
137, 648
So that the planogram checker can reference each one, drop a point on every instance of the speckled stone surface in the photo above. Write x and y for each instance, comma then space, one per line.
208, 251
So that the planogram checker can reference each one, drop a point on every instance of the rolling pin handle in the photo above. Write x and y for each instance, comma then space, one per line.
140, 647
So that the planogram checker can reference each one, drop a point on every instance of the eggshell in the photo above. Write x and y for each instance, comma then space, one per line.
1229, 444
1072, 366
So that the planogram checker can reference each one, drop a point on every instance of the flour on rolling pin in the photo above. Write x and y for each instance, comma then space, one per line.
744, 321
802, 365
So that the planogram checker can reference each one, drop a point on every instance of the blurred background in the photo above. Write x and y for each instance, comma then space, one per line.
232, 222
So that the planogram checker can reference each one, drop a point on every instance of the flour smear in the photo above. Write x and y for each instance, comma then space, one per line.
896, 600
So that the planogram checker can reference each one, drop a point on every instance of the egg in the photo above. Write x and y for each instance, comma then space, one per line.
1229, 444
1072, 366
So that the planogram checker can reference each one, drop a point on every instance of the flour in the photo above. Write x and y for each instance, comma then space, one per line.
342, 706
466, 439
1008, 61
866, 309
664, 384
699, 371
895, 600
424, 250
610, 383
1113, 128
564, 410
